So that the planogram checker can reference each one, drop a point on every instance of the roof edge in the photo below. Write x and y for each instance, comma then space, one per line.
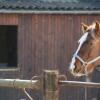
50, 12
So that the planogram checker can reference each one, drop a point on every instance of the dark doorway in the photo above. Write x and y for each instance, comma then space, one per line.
8, 45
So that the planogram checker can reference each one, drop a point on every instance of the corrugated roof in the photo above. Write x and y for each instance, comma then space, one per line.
50, 4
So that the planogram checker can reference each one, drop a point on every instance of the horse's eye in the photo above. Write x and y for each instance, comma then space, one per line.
91, 43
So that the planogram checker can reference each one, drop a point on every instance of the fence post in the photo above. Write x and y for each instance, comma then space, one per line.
50, 85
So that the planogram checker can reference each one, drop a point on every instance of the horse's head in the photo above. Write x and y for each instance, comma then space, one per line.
87, 55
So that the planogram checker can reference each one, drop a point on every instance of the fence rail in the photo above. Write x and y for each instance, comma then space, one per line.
80, 84
49, 82
53, 81
17, 83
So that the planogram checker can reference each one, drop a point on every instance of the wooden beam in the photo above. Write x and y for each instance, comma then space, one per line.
17, 83
50, 12
80, 84
50, 85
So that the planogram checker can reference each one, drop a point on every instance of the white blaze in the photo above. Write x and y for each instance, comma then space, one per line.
81, 41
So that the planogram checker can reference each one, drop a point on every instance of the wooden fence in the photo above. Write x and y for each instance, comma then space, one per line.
49, 82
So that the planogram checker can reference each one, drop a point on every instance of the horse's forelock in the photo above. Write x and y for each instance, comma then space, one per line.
83, 38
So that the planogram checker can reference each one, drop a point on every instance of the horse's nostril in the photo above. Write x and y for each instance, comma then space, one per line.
81, 63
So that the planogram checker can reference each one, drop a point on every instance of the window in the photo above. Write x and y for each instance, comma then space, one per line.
8, 46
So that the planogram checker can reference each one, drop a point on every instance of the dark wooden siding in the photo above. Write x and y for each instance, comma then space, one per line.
8, 19
7, 93
47, 42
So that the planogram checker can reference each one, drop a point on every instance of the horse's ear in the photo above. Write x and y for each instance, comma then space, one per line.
84, 27
97, 26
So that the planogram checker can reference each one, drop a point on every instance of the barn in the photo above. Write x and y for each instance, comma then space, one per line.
42, 34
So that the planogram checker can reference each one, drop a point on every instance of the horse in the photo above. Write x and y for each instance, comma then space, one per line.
87, 56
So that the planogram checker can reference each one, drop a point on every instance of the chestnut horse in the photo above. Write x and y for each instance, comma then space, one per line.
87, 55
